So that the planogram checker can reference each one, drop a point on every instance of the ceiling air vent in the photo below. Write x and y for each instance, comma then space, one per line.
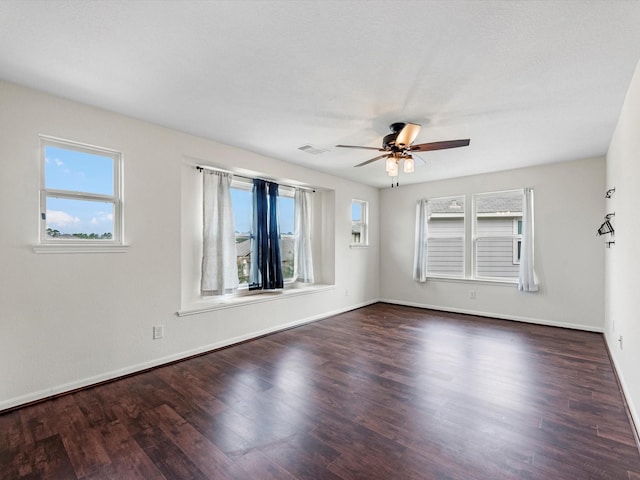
312, 149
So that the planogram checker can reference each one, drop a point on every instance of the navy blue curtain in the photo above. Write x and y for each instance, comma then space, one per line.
274, 258
266, 261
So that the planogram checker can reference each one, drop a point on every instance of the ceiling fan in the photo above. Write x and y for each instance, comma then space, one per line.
398, 146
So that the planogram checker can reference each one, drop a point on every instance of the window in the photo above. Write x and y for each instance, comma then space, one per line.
498, 234
242, 200
286, 208
517, 242
494, 236
445, 237
80, 196
359, 223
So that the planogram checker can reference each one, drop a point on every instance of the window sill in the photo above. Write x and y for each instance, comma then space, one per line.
79, 248
230, 301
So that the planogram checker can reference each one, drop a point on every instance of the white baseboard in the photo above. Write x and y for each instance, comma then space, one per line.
538, 321
115, 374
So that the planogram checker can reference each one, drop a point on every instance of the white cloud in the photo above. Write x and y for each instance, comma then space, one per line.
60, 219
102, 217
57, 161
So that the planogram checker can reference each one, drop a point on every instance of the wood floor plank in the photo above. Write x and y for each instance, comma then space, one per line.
44, 459
204, 454
84, 444
166, 456
257, 465
303, 456
381, 392
128, 459
12, 432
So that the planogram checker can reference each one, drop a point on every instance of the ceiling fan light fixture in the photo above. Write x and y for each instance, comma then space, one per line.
408, 164
390, 164
393, 171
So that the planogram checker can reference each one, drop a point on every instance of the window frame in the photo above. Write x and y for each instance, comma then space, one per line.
517, 242
115, 199
475, 237
453, 199
471, 238
363, 223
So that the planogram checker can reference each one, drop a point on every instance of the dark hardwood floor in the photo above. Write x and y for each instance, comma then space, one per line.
383, 392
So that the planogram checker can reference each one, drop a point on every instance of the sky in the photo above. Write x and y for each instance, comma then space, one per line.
82, 172
241, 201
356, 211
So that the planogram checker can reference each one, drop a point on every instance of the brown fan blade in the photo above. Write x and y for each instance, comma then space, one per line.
358, 146
407, 135
427, 147
372, 160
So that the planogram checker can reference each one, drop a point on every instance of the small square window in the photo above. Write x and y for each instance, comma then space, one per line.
80, 196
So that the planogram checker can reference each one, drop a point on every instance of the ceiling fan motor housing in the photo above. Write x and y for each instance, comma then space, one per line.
389, 141
397, 127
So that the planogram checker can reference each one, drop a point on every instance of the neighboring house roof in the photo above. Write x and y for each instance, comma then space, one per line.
487, 204
243, 249
448, 205
500, 204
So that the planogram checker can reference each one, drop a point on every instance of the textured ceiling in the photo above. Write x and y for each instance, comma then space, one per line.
528, 82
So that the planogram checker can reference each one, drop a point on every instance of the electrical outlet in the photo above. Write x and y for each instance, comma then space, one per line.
472, 294
158, 332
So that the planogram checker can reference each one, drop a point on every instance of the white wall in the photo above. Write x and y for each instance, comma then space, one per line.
68, 320
622, 301
569, 258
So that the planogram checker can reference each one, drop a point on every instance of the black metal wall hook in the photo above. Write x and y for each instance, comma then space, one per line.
605, 228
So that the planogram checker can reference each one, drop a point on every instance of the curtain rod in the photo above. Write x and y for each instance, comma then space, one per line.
215, 169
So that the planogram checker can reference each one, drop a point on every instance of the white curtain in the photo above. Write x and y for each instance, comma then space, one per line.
219, 267
303, 261
527, 281
420, 250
